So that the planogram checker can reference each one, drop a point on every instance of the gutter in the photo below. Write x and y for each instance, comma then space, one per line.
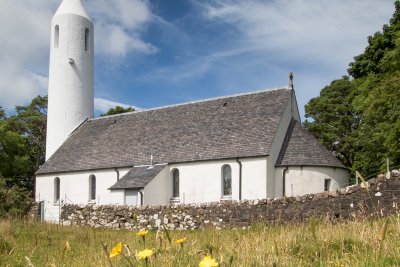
117, 171
284, 180
141, 193
240, 178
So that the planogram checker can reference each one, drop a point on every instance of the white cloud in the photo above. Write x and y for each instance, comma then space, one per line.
24, 35
324, 32
103, 105
114, 40
25, 38
118, 25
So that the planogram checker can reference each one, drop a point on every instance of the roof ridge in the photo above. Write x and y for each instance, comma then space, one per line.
192, 102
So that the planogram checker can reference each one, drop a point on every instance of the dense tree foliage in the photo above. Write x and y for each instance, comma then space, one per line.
14, 201
359, 119
22, 149
117, 110
30, 123
14, 158
334, 119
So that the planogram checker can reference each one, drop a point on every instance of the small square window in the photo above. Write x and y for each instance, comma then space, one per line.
327, 185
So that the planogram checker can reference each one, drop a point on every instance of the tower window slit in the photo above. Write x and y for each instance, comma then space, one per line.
87, 39
56, 36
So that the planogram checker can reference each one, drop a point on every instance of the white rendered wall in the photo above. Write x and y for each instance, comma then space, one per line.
117, 197
310, 180
201, 181
70, 92
158, 191
254, 178
74, 189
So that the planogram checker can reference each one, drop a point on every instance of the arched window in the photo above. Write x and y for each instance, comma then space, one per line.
87, 32
56, 36
175, 183
56, 189
226, 180
92, 187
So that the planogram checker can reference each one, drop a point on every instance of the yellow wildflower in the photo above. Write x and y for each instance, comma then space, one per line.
208, 262
142, 233
144, 254
180, 241
116, 250
67, 246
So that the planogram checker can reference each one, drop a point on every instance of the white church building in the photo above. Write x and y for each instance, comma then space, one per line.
248, 146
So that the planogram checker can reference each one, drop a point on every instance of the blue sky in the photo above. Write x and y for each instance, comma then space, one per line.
162, 52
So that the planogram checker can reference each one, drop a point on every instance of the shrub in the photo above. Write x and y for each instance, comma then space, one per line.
14, 201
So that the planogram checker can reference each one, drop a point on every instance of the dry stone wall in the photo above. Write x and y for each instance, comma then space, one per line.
351, 203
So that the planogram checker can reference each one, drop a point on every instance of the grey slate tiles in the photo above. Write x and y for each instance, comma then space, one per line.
138, 177
229, 127
300, 148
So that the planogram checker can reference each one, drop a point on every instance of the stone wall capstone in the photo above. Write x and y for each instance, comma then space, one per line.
351, 203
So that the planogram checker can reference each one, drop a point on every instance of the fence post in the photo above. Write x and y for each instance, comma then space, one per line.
59, 211
387, 169
41, 210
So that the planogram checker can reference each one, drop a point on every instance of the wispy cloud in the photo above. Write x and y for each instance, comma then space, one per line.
325, 32
258, 34
194, 68
119, 24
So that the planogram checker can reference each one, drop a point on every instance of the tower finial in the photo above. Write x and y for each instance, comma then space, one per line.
291, 81
72, 7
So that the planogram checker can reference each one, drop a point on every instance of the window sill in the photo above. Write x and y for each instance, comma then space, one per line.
92, 202
56, 203
175, 200
226, 198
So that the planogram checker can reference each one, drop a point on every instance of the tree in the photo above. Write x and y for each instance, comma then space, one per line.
359, 119
378, 100
333, 119
30, 123
376, 56
2, 114
117, 110
14, 159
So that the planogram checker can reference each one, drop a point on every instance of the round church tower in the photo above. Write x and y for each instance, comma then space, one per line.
70, 92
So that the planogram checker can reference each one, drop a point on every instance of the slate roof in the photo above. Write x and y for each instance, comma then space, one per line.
137, 177
228, 127
300, 148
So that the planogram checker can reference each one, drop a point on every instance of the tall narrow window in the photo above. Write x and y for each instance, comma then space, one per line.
56, 36
226, 180
175, 183
327, 185
87, 32
56, 189
92, 187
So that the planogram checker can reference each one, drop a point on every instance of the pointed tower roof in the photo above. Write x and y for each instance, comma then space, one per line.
72, 7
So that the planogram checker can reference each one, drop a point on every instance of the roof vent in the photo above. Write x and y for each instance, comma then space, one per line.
151, 162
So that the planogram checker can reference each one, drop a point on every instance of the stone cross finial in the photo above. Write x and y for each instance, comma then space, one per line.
291, 80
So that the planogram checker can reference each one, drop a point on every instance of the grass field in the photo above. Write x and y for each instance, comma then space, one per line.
316, 243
